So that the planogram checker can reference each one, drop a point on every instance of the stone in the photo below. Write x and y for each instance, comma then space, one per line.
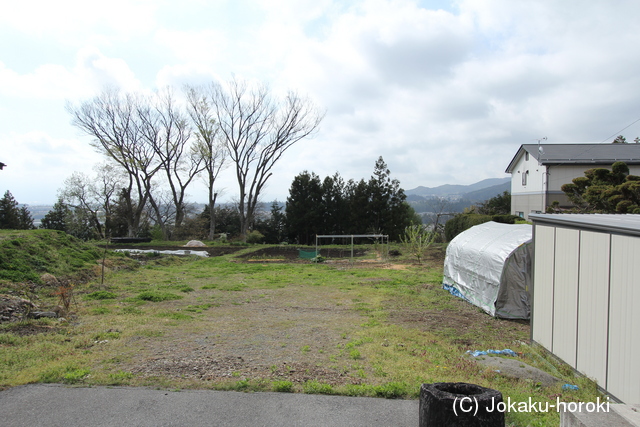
514, 368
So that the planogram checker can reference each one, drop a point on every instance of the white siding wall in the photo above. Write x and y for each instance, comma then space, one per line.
593, 305
565, 294
543, 286
624, 321
586, 295
534, 184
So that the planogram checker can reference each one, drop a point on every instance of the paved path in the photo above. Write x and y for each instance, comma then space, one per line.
54, 405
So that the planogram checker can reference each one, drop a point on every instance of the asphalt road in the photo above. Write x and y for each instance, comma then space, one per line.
55, 405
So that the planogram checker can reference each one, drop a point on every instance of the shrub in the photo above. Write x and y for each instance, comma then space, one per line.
255, 237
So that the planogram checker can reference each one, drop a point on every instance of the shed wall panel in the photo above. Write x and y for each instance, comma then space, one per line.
624, 320
565, 294
542, 309
593, 305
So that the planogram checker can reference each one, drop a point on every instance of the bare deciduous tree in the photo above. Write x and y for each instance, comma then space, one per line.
169, 132
94, 195
114, 122
257, 129
208, 146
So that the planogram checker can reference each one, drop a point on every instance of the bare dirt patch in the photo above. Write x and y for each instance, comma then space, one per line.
461, 319
283, 335
29, 329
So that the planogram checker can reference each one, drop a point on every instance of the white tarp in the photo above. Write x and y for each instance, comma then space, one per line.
152, 251
490, 266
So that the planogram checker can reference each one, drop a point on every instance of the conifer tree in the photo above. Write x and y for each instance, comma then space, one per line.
9, 212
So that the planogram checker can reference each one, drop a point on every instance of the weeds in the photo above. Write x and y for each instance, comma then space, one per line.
100, 295
65, 297
283, 386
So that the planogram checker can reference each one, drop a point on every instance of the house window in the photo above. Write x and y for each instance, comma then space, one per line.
525, 176
520, 214
526, 156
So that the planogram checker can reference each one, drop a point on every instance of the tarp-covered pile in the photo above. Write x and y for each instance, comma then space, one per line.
489, 265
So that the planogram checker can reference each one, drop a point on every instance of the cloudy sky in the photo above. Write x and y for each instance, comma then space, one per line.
445, 91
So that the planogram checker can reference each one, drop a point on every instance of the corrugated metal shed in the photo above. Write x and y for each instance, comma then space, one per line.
610, 223
586, 296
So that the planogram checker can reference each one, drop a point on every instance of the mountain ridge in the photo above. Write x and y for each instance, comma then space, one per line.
458, 191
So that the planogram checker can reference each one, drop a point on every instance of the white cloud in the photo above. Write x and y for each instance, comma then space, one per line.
38, 164
445, 96
72, 21
90, 74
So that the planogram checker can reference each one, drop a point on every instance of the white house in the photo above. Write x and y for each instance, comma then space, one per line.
538, 171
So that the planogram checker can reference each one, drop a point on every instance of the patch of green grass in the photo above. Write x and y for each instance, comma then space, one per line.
316, 387
394, 390
109, 335
26, 254
132, 310
100, 295
75, 376
198, 308
175, 316
10, 339
283, 386
157, 296
151, 333
120, 377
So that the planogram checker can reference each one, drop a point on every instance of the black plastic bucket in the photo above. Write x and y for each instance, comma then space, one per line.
460, 404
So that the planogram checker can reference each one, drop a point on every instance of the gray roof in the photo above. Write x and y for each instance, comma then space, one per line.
608, 223
579, 154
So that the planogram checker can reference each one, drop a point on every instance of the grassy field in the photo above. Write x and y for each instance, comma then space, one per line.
248, 321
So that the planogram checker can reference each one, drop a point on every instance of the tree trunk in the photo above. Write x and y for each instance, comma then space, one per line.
212, 216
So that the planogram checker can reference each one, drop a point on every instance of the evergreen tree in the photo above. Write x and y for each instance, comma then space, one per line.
56, 218
273, 228
357, 195
25, 218
358, 207
304, 208
79, 223
9, 212
227, 220
605, 191
334, 205
498, 205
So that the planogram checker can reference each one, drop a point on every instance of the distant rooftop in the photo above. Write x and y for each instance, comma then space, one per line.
580, 154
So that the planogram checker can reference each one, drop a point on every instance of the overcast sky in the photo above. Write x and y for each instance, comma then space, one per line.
445, 91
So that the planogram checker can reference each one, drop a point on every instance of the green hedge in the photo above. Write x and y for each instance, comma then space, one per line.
462, 222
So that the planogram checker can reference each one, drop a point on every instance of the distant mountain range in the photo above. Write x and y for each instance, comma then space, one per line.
480, 191
426, 200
